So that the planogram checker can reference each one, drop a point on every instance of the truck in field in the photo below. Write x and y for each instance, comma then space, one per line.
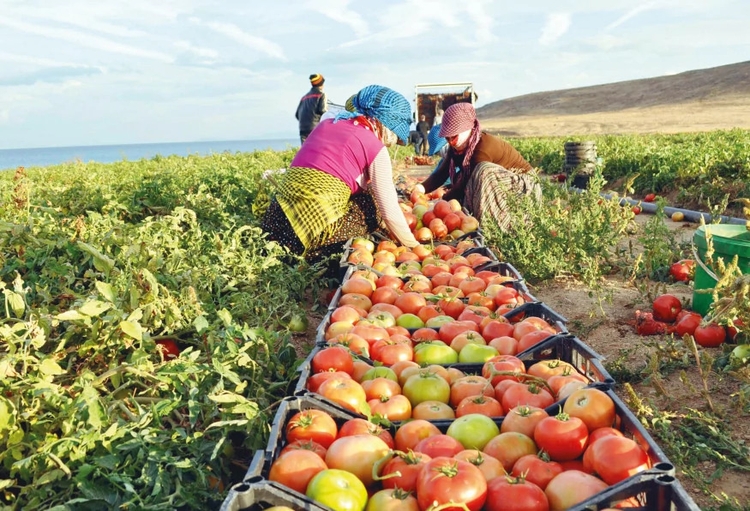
428, 97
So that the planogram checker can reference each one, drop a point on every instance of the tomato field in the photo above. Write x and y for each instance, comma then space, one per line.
149, 332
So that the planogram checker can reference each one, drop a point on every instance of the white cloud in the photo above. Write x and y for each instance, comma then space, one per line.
4, 115
79, 38
204, 55
631, 14
339, 11
554, 28
235, 33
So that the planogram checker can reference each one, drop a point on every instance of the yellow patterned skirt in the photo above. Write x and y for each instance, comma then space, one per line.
314, 213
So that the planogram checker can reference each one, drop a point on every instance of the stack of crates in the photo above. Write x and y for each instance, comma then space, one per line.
654, 489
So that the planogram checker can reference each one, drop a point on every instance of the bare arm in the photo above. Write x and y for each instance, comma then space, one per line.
381, 176
438, 177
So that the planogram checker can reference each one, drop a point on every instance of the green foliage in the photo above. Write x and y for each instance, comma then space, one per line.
567, 233
697, 168
97, 264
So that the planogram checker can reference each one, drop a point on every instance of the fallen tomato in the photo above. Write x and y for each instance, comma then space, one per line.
666, 307
650, 197
682, 270
645, 324
710, 336
168, 348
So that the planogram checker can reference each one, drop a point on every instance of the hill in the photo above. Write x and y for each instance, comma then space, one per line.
698, 100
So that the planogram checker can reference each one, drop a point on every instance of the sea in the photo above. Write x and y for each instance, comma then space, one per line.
45, 156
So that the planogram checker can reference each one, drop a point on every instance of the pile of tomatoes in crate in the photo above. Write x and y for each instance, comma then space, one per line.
437, 381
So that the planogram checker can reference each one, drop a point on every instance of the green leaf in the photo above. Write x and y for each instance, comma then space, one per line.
225, 316
101, 261
200, 323
226, 397
132, 329
94, 308
16, 302
71, 315
105, 290
50, 368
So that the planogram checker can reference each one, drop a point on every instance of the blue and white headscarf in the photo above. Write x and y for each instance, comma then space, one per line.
384, 104
435, 140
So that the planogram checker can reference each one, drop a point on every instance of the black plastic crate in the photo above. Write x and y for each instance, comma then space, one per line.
565, 347
574, 351
645, 491
539, 310
258, 494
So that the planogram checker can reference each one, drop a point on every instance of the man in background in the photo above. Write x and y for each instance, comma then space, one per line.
311, 107
423, 127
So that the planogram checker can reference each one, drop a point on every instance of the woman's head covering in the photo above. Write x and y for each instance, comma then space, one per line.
386, 105
316, 80
435, 141
458, 118
349, 105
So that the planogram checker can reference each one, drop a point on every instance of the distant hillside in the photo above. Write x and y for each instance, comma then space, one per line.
699, 100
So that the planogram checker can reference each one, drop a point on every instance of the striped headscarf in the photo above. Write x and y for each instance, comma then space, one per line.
435, 140
460, 117
386, 105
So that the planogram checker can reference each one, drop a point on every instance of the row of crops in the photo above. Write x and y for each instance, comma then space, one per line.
448, 385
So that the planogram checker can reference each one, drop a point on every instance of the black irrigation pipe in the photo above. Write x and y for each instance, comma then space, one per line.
690, 215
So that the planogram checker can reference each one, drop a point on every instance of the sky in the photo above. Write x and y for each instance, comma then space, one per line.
92, 72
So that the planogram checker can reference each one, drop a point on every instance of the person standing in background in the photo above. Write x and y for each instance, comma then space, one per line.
311, 107
423, 127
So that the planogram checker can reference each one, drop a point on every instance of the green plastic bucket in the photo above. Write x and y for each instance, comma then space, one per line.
728, 241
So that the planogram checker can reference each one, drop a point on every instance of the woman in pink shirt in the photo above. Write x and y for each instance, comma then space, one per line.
340, 183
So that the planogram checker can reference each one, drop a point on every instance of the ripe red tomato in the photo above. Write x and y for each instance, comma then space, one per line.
681, 270
401, 471
523, 419
530, 394
666, 307
636, 210
615, 458
294, 469
439, 445
359, 426
445, 480
307, 445
537, 469
312, 424
515, 494
710, 336
168, 348
333, 358
650, 197
688, 323
563, 437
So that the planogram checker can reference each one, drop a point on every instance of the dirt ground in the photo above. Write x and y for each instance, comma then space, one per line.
722, 114
606, 328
